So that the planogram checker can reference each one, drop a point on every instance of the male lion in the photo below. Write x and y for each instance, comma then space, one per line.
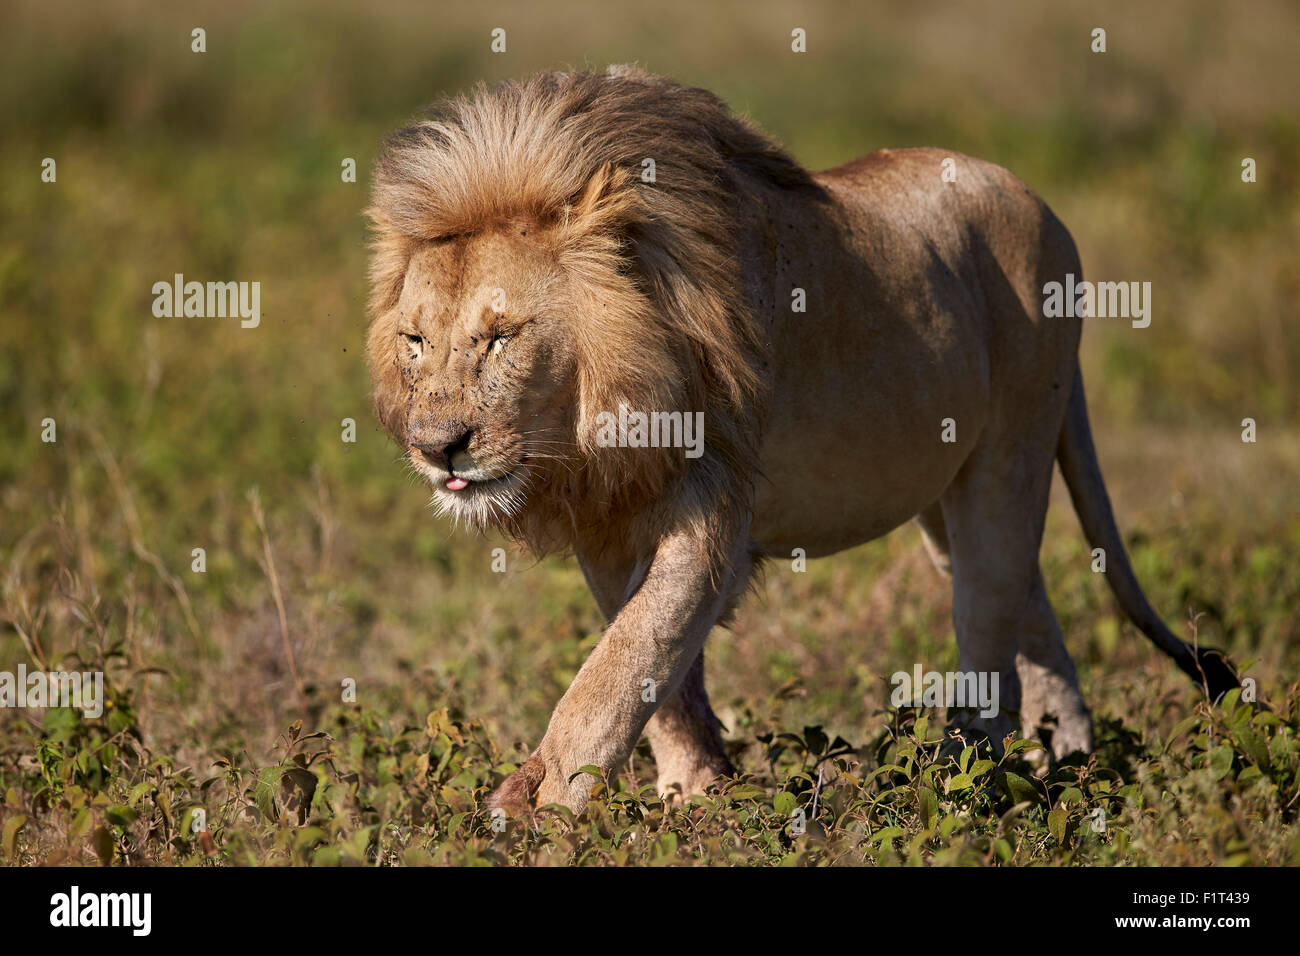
576, 244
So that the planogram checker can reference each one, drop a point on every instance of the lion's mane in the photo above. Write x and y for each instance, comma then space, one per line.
667, 324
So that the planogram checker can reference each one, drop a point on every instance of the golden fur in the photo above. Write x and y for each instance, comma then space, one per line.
527, 280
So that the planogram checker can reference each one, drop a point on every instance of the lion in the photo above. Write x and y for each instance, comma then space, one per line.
864, 346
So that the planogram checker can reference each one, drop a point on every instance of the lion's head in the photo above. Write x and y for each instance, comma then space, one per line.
528, 275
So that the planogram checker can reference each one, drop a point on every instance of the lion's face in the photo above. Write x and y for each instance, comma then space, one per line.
477, 370
527, 283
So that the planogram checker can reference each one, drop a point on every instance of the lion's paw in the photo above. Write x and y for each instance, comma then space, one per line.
515, 793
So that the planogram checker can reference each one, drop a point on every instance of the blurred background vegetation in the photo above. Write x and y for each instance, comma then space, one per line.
226, 165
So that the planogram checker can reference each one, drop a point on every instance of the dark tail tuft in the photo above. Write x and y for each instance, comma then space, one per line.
1211, 670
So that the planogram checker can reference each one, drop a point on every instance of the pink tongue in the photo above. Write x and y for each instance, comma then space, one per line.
456, 484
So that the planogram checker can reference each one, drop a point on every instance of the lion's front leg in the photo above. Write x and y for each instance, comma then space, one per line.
685, 735
643, 658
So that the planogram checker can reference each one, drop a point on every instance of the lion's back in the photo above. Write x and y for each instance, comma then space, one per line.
977, 206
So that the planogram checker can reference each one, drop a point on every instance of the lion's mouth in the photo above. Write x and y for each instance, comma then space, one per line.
481, 503
459, 477
481, 493
462, 483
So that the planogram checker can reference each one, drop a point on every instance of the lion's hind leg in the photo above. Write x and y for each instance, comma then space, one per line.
1005, 624
686, 739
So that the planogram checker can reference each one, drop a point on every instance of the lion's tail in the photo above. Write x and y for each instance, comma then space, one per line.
1078, 460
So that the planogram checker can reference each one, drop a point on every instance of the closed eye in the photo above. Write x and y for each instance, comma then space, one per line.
498, 343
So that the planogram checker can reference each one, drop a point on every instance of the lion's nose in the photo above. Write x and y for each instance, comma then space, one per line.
443, 441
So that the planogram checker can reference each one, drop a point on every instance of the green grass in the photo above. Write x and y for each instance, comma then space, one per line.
226, 166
